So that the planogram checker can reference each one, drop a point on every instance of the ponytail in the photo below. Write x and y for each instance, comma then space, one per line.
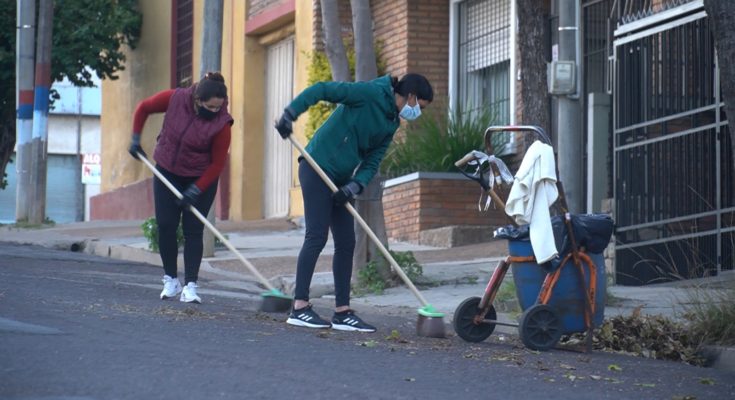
212, 85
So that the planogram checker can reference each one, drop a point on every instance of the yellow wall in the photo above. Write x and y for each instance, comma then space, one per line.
243, 66
303, 47
252, 143
147, 71
233, 56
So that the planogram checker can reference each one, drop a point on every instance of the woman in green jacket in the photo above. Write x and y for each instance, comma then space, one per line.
349, 147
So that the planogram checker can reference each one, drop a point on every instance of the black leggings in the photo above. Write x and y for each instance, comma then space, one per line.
321, 215
168, 215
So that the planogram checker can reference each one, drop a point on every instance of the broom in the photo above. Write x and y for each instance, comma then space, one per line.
273, 300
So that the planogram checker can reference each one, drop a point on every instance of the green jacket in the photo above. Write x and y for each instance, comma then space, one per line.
358, 132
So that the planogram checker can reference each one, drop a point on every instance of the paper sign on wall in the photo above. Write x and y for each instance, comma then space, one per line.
91, 169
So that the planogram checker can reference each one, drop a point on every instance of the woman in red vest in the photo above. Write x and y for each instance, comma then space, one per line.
191, 152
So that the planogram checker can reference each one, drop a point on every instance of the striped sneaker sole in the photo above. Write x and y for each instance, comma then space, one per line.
298, 322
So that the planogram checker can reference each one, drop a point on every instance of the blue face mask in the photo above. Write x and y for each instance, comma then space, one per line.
410, 113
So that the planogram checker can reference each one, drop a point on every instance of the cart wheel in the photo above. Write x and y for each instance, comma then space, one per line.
540, 327
464, 321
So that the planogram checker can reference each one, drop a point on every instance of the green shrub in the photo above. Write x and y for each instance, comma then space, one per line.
407, 261
369, 279
150, 232
439, 138
319, 71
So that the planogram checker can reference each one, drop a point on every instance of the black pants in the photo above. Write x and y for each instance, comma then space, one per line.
321, 215
168, 215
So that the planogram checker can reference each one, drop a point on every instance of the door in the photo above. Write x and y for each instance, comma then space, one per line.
278, 154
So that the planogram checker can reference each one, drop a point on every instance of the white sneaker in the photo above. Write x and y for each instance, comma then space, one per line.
171, 287
189, 294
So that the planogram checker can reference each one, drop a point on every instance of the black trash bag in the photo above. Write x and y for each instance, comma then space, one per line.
512, 232
591, 231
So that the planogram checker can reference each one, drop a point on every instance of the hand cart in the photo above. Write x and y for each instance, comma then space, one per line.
546, 312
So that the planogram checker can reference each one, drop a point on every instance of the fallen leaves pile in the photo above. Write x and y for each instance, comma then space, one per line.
649, 336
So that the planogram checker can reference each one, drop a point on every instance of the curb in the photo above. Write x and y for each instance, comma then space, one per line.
719, 357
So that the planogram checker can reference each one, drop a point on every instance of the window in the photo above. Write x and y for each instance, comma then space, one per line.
183, 43
483, 79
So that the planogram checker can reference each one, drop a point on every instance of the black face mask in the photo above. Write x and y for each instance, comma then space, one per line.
203, 113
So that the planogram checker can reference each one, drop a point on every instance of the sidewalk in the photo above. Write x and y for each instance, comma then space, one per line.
272, 246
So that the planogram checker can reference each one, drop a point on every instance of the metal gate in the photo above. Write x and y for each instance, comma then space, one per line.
62, 200
278, 154
673, 167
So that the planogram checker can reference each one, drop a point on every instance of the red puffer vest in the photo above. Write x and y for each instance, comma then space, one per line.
185, 142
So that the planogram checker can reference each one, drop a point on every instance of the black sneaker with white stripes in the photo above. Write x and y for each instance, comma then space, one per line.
307, 317
348, 321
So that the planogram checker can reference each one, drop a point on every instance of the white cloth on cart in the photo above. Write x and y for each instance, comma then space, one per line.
531, 195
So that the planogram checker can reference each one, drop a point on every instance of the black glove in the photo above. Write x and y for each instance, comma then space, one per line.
284, 126
346, 193
190, 196
135, 148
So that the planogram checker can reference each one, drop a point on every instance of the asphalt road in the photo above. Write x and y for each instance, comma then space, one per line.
74, 326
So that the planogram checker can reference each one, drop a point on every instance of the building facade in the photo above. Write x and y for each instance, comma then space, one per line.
654, 139
265, 57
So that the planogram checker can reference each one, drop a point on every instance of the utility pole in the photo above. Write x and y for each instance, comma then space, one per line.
569, 135
39, 142
211, 60
25, 39
79, 186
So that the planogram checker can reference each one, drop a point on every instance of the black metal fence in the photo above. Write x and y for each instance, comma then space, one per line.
673, 179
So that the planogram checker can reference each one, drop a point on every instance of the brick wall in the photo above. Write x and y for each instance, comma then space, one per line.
428, 42
391, 29
429, 203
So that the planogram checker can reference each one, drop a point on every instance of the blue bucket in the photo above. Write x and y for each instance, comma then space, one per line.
566, 297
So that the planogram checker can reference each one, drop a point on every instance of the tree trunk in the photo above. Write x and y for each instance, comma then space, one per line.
721, 15
333, 45
366, 67
531, 42
370, 203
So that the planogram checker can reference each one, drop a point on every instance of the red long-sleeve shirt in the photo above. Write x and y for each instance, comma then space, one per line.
158, 103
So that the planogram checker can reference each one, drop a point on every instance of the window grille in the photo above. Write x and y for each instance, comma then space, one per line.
184, 34
484, 57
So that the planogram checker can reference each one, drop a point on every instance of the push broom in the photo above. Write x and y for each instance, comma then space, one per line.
273, 300
430, 322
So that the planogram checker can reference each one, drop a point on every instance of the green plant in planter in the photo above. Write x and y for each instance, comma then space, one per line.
150, 232
439, 138
369, 279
